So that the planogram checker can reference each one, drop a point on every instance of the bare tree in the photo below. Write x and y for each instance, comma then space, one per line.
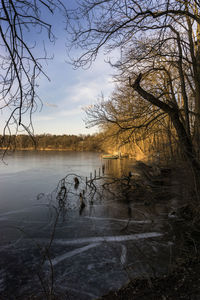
158, 39
124, 114
21, 21
132, 124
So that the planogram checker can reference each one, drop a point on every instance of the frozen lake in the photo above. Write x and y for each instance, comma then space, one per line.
47, 246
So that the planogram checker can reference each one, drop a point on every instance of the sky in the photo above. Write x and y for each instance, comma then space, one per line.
69, 90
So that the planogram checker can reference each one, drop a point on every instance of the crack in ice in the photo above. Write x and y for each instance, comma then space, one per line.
123, 255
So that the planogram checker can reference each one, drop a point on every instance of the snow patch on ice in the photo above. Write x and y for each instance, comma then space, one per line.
120, 220
60, 258
100, 239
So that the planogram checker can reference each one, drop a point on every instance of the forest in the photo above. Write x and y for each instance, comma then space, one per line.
51, 142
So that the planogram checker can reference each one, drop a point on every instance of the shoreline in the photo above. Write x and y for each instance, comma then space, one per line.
48, 149
180, 283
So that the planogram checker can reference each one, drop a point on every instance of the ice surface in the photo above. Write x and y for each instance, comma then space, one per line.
90, 254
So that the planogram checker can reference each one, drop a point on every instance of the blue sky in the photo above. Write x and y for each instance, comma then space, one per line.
69, 90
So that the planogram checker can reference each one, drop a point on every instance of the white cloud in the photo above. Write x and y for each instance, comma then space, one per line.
71, 112
50, 104
88, 90
84, 94
44, 118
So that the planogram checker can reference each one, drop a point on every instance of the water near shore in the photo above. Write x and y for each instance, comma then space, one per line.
80, 256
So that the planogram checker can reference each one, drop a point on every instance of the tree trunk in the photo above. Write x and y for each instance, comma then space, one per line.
194, 42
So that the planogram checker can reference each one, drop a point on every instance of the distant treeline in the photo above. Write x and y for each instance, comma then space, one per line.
51, 142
